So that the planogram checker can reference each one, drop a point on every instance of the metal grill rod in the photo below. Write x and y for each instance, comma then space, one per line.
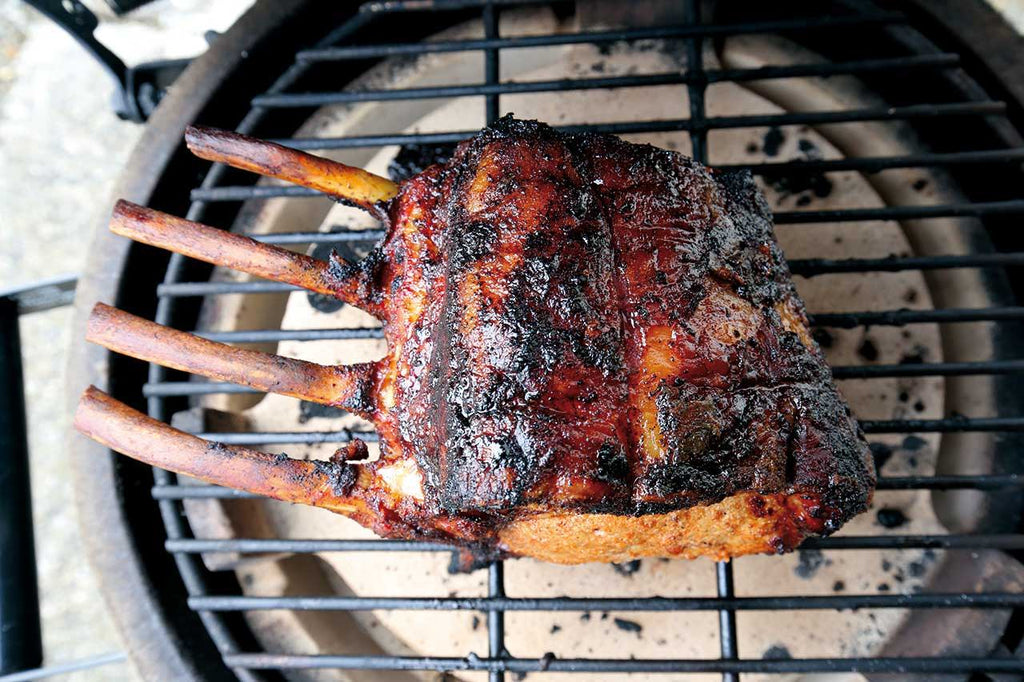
358, 236
842, 215
946, 425
628, 35
980, 482
291, 437
593, 665
825, 69
265, 335
175, 289
1001, 600
937, 369
880, 114
812, 267
872, 164
843, 542
901, 317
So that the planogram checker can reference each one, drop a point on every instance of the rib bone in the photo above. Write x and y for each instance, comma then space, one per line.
350, 283
344, 183
345, 386
322, 484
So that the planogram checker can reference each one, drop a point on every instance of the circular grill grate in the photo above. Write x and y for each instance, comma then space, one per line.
971, 157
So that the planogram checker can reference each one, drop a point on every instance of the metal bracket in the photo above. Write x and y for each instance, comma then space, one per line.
43, 295
141, 87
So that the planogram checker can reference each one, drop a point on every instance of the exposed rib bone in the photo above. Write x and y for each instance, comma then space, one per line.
202, 242
322, 484
342, 182
346, 386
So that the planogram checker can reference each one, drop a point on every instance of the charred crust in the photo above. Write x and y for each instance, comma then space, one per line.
361, 400
612, 464
522, 381
339, 475
366, 275
217, 448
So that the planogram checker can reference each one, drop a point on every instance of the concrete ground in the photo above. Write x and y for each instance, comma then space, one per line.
61, 149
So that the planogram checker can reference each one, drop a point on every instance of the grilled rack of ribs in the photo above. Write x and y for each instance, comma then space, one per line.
595, 353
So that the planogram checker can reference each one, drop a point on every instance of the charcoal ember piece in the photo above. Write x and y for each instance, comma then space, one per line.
595, 353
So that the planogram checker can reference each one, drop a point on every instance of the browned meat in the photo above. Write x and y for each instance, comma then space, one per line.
595, 353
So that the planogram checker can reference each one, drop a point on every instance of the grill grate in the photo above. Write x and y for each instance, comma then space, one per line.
215, 189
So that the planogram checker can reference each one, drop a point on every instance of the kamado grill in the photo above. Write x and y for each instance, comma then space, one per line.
887, 137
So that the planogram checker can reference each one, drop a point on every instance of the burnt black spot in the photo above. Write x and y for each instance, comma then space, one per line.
883, 587
214, 447
475, 241
322, 303
890, 518
823, 337
920, 184
881, 453
903, 396
910, 296
868, 350
597, 67
810, 561
773, 140
886, 565
821, 186
628, 625
913, 443
476, 622
806, 185
919, 406
341, 476
612, 465
808, 148
752, 147
838, 586
308, 410
585, 616
776, 652
556, 628
350, 252
627, 569
916, 568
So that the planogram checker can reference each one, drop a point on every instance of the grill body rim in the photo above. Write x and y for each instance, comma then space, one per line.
150, 629
139, 612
